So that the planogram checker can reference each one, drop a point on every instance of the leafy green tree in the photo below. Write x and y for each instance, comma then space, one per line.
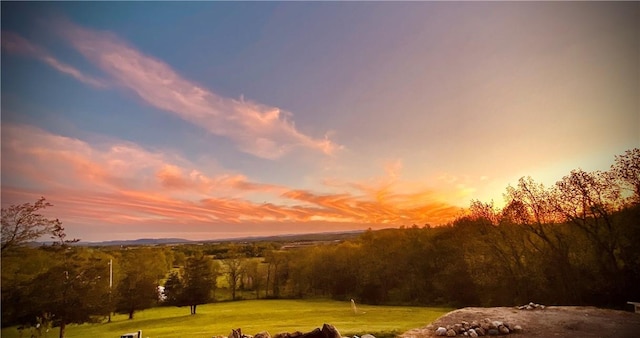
174, 289
255, 274
19, 267
199, 281
138, 287
73, 291
24, 223
234, 268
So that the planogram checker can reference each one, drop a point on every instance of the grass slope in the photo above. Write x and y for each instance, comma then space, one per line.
253, 316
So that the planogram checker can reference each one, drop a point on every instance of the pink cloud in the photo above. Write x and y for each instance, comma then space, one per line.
128, 188
14, 43
257, 129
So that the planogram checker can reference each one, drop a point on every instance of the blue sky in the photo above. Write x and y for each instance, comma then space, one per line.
218, 119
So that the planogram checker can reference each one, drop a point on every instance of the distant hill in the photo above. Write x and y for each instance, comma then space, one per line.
141, 241
312, 237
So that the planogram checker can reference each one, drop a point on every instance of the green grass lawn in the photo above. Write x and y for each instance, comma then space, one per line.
253, 316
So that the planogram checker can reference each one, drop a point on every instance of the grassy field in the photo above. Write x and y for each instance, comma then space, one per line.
253, 316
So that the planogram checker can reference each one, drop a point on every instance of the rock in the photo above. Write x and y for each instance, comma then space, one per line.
517, 329
451, 333
441, 331
474, 324
235, 333
493, 332
503, 329
316, 333
368, 336
472, 333
294, 334
330, 331
458, 328
263, 334
481, 332
485, 326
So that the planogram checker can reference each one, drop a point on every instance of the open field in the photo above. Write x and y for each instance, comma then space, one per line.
254, 316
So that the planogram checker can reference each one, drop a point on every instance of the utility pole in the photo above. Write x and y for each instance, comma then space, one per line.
110, 285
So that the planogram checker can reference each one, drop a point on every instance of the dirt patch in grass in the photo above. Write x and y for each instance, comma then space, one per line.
553, 321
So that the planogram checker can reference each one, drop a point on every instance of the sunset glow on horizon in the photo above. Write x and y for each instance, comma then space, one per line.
207, 120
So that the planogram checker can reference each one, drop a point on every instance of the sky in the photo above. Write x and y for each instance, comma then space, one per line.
207, 120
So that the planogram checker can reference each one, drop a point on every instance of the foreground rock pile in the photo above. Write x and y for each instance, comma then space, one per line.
486, 327
327, 331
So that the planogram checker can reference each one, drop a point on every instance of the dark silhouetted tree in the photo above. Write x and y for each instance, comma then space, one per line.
24, 223
627, 169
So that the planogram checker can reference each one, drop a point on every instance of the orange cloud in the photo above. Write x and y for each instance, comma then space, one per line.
398, 209
125, 186
257, 129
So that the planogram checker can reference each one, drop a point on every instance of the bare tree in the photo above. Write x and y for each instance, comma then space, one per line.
23, 223
627, 169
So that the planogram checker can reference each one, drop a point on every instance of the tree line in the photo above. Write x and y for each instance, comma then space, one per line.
575, 242
571, 243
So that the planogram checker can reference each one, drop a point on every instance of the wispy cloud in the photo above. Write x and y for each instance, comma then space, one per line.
257, 129
120, 165
14, 43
